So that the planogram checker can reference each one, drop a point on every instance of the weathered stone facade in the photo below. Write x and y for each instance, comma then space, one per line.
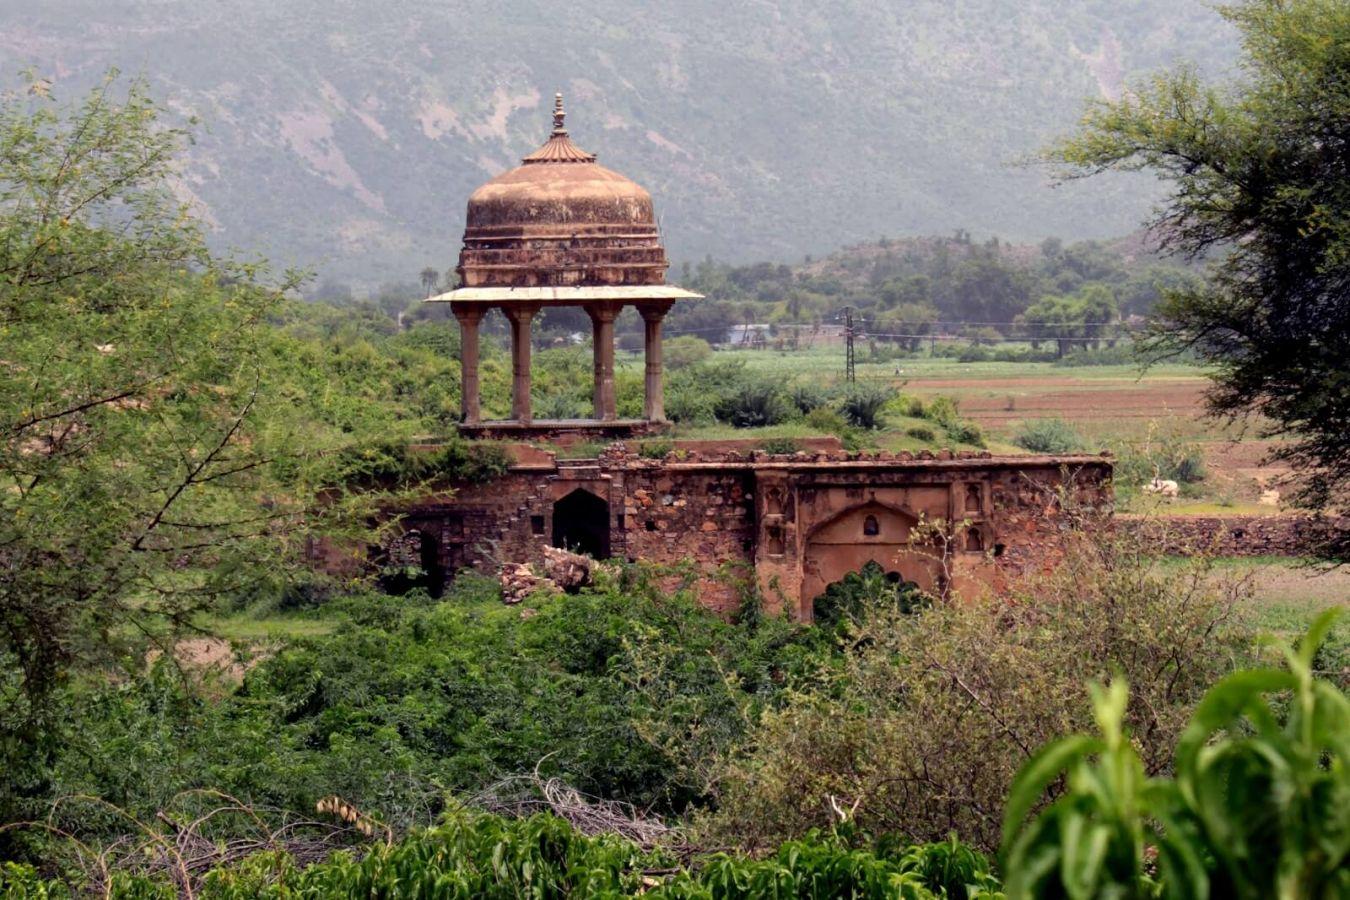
1274, 535
796, 523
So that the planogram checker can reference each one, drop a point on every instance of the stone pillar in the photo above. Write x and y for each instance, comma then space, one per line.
469, 316
520, 315
602, 318
654, 407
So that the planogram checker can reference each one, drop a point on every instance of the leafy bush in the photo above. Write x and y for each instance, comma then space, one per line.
623, 691
942, 410
706, 392
863, 405
655, 449
860, 593
975, 353
963, 432
685, 350
1256, 809
558, 405
808, 396
826, 420
474, 462
922, 433
1003, 353
1120, 355
754, 403
931, 713
690, 406
1048, 436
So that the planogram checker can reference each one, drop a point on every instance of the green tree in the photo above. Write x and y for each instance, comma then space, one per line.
429, 277
908, 324
1097, 308
1052, 318
1260, 176
159, 443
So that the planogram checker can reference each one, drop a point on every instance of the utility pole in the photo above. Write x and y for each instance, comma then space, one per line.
850, 374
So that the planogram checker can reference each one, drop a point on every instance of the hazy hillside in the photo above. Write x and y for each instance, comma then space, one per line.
345, 136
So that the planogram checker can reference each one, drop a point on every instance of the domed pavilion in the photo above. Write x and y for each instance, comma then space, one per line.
561, 230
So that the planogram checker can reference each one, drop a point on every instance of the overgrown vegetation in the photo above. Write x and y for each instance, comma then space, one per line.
932, 710
627, 692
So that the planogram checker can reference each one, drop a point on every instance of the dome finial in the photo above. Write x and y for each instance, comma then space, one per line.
558, 114
559, 147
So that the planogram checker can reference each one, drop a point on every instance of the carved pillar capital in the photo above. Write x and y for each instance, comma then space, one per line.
520, 312
603, 311
468, 312
654, 310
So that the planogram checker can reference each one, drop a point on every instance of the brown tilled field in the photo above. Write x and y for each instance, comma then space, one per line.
1120, 406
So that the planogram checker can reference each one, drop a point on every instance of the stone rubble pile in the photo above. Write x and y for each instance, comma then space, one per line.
562, 572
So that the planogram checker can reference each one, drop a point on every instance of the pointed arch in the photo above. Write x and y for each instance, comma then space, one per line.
872, 533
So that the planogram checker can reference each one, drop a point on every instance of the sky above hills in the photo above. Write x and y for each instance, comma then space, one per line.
346, 136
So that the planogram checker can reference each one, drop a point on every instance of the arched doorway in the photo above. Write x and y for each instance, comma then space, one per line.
873, 532
581, 524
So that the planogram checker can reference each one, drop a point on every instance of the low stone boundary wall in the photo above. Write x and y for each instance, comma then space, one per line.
1286, 535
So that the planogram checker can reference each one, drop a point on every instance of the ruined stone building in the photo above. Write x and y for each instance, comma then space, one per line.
561, 230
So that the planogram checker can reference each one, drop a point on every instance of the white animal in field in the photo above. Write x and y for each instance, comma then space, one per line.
1270, 498
1163, 486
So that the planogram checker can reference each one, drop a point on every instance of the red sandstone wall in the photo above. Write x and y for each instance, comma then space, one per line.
792, 521
703, 517
1228, 535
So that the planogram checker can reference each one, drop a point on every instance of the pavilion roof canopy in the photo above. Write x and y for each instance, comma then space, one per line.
569, 295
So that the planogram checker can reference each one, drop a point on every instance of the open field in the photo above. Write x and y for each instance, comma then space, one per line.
1106, 405
1111, 400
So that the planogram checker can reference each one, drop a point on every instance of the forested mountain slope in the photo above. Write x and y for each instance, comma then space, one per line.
346, 136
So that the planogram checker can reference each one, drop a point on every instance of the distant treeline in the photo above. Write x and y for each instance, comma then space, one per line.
907, 292
912, 290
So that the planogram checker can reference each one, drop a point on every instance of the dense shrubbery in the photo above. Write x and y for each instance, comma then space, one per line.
932, 712
979, 353
1256, 809
626, 691
863, 405
471, 462
945, 412
1119, 355
753, 403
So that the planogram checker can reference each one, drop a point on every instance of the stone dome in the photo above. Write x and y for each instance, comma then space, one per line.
560, 219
